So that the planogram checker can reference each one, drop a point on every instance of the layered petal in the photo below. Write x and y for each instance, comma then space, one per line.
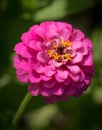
61, 75
77, 35
51, 31
88, 60
42, 57
49, 71
70, 91
78, 58
50, 83
22, 74
21, 49
34, 89
58, 90
34, 77
36, 45
45, 92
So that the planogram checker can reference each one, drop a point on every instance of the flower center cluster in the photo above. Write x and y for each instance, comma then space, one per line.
61, 50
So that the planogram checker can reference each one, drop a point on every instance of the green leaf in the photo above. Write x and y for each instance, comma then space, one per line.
61, 8
55, 10
28, 4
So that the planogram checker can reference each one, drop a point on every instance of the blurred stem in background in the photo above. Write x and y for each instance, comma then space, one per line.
21, 108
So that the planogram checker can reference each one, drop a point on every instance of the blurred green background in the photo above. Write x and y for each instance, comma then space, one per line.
83, 113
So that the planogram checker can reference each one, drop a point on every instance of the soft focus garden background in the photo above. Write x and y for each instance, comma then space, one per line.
83, 113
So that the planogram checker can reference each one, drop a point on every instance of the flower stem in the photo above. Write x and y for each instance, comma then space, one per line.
21, 108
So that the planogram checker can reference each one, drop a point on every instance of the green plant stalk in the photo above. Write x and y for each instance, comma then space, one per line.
21, 108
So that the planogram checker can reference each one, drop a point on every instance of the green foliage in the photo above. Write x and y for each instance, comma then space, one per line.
97, 40
56, 9
16, 17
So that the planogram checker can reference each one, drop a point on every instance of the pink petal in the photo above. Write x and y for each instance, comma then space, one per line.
34, 89
74, 69
24, 65
26, 37
45, 92
45, 78
65, 33
78, 85
77, 44
83, 51
70, 91
36, 45
82, 76
78, 58
88, 69
40, 32
61, 26
88, 60
87, 80
39, 68
58, 90
31, 51
21, 49
77, 35
49, 45
20, 62
51, 31
35, 34
23, 75
34, 77
77, 77
61, 75
55, 63
67, 81
50, 83
42, 57
48, 71
87, 43
17, 61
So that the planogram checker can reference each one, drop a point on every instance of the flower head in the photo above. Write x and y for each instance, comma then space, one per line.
55, 59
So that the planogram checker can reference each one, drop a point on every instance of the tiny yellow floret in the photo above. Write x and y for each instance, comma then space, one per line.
50, 53
65, 43
56, 56
68, 56
69, 43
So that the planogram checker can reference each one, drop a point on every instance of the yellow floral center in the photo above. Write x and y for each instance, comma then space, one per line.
61, 51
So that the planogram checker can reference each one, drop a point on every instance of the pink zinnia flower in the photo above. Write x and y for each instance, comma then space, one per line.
55, 59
